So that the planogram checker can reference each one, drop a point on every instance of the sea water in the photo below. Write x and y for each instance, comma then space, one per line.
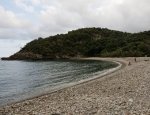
20, 80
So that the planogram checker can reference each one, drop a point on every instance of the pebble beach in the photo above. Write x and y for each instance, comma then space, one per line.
125, 91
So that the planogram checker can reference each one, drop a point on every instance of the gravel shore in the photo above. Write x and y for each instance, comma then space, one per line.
123, 92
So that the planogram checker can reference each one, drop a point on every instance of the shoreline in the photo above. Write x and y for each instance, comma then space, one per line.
123, 91
64, 86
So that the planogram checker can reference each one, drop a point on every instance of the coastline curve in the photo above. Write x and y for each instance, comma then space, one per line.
99, 75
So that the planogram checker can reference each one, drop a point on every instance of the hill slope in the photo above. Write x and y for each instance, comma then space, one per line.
87, 42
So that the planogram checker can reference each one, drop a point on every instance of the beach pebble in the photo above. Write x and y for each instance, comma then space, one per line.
131, 100
124, 92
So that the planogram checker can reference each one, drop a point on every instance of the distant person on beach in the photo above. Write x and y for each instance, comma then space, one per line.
129, 63
135, 59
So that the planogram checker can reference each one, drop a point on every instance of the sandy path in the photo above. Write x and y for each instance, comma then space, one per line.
124, 92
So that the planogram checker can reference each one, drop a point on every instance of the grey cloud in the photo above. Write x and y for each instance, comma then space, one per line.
8, 47
48, 17
59, 16
125, 15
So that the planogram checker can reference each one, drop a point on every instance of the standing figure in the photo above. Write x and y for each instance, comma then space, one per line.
129, 63
135, 59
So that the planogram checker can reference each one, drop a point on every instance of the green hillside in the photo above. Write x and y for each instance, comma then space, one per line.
87, 42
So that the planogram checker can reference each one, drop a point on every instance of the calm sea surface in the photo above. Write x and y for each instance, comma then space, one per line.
25, 79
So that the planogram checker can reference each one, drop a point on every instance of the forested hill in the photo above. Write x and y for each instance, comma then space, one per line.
87, 42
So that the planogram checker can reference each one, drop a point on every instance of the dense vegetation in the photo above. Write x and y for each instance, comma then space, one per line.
90, 42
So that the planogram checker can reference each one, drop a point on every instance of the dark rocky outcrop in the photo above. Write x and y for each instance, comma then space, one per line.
24, 56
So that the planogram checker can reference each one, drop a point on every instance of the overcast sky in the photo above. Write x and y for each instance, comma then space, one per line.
24, 20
